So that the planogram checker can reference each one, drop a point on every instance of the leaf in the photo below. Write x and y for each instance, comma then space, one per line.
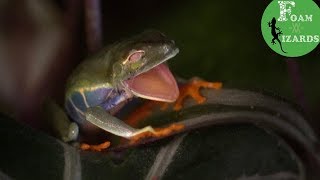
236, 134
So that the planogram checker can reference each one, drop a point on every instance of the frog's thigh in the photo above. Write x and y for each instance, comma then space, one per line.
102, 119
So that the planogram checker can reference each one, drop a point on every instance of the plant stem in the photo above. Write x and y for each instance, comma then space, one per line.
93, 25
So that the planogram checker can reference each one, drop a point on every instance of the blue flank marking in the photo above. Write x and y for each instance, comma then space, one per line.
97, 96
78, 101
114, 99
106, 98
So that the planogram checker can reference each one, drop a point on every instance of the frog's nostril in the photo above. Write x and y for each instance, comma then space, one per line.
166, 49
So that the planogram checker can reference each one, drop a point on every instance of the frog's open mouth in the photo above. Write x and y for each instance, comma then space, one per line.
156, 84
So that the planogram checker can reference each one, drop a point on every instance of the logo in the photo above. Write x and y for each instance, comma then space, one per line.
291, 28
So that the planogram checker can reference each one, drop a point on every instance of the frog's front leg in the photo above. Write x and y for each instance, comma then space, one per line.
192, 89
189, 88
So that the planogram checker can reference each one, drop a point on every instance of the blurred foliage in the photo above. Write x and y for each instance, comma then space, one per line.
211, 152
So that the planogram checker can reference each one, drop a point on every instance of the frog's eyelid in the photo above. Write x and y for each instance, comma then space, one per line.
134, 56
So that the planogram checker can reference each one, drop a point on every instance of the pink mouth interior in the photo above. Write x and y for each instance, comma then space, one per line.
156, 84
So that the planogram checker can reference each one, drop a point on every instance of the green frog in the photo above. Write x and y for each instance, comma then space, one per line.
102, 84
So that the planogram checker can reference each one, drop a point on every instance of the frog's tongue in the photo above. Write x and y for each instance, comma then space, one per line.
156, 84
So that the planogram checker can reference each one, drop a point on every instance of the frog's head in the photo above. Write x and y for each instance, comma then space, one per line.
139, 67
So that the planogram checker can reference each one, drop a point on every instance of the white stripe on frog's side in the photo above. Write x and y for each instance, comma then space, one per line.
75, 107
84, 98
83, 91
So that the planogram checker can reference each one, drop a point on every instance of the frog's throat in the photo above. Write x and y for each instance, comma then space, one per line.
156, 84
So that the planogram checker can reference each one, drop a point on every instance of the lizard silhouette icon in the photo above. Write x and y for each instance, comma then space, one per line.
274, 32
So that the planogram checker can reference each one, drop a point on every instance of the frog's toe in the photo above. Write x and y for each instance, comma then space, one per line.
71, 134
73, 131
192, 89
145, 129
99, 147
149, 132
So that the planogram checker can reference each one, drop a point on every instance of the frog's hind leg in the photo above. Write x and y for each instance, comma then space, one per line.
102, 119
192, 88
149, 132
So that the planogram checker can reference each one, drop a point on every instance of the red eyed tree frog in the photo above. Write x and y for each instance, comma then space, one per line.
102, 84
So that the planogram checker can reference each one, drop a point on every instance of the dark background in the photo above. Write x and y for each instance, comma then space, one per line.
42, 41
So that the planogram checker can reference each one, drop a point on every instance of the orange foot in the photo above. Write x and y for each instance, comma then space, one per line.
99, 147
158, 133
192, 89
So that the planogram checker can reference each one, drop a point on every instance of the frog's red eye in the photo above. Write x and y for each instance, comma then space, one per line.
136, 56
